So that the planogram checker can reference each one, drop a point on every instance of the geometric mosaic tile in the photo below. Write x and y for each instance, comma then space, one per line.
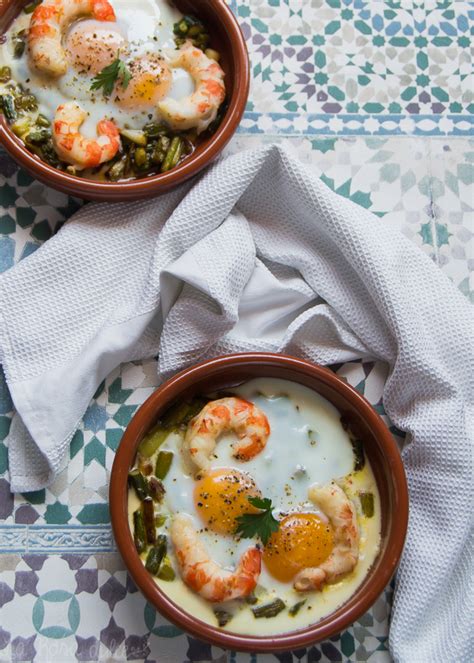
378, 97
78, 607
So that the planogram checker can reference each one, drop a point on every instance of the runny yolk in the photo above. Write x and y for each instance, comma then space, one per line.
221, 496
303, 540
150, 83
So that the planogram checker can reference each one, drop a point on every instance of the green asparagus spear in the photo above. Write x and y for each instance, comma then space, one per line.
148, 507
7, 105
358, 451
166, 571
153, 441
160, 520
156, 555
139, 532
42, 121
269, 609
294, 610
163, 463
367, 503
139, 483
173, 154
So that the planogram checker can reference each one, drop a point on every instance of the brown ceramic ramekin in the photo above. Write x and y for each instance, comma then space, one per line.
379, 445
227, 39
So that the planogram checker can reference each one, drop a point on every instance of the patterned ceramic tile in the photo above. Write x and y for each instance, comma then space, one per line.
345, 82
86, 608
342, 66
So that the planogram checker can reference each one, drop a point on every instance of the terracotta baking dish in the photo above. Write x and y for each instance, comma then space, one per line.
228, 39
380, 447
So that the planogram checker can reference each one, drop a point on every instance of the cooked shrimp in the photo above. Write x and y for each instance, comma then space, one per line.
200, 108
73, 148
225, 414
206, 577
341, 513
46, 29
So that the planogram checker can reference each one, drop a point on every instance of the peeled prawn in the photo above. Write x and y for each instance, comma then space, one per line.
200, 108
46, 28
333, 501
206, 577
73, 148
222, 415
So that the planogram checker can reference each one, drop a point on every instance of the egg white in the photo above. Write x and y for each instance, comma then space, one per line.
147, 25
288, 465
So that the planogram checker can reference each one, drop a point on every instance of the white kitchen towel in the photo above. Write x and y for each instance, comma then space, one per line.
260, 255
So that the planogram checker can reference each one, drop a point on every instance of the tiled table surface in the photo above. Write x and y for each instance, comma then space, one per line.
379, 97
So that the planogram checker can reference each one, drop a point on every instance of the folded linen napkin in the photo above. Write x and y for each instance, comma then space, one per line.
259, 255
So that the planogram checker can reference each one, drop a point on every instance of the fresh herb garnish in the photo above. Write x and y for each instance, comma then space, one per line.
261, 524
106, 79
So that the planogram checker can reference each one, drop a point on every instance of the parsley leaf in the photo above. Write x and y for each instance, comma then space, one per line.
109, 75
261, 524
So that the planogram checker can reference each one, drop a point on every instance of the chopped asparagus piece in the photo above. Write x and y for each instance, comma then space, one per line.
117, 170
166, 571
367, 503
163, 463
153, 441
48, 153
137, 136
194, 30
160, 520
181, 414
141, 158
294, 610
42, 121
37, 137
156, 554
358, 451
139, 483
148, 507
21, 126
7, 105
154, 129
139, 531
269, 609
26, 102
173, 154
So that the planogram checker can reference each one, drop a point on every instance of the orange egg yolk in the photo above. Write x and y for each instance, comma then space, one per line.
91, 45
303, 540
221, 496
149, 84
